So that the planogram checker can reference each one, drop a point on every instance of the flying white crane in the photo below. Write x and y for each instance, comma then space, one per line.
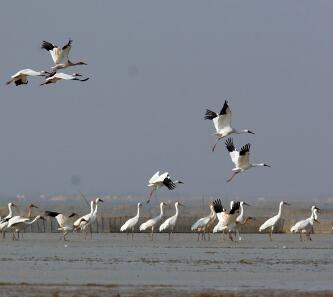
273, 221
21, 77
306, 226
170, 223
131, 223
17, 224
157, 181
222, 123
4, 221
65, 222
154, 221
60, 55
204, 224
54, 77
241, 159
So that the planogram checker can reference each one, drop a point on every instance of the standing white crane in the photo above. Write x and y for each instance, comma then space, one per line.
65, 222
82, 221
130, 224
153, 222
204, 224
241, 159
17, 224
157, 181
54, 77
21, 77
94, 215
4, 221
222, 123
273, 221
170, 223
306, 226
241, 219
60, 55
22, 218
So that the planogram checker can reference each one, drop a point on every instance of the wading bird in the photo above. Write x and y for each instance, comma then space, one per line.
157, 181
59, 76
20, 218
83, 221
240, 159
17, 224
153, 222
273, 221
306, 226
203, 225
4, 221
21, 77
226, 219
65, 222
170, 223
131, 223
222, 123
60, 55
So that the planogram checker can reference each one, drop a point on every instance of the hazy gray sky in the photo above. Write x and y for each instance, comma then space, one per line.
155, 66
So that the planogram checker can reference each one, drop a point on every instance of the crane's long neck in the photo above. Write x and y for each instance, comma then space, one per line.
280, 210
138, 212
314, 215
162, 212
29, 212
177, 210
10, 211
34, 220
91, 207
96, 208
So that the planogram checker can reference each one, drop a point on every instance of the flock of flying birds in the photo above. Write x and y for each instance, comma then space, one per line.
228, 221
60, 57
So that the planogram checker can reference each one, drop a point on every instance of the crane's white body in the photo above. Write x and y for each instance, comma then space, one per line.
305, 226
170, 223
4, 221
203, 225
65, 222
130, 224
241, 159
17, 224
60, 56
222, 123
154, 221
273, 221
21, 77
159, 180
83, 220
62, 76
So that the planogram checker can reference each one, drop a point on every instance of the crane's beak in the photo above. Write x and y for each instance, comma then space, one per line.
251, 132
316, 221
244, 203
181, 204
286, 203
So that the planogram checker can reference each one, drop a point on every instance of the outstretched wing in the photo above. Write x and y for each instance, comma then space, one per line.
154, 177
53, 49
217, 204
169, 183
65, 52
244, 156
235, 207
210, 115
224, 118
234, 154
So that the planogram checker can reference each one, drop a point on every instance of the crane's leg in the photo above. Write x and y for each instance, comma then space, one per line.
132, 233
270, 234
152, 233
232, 176
300, 236
150, 194
127, 235
198, 236
230, 236
65, 239
217, 141
14, 238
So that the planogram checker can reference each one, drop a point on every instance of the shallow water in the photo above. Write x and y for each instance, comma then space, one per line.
183, 263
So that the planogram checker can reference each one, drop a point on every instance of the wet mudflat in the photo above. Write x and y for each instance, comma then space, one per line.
110, 264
